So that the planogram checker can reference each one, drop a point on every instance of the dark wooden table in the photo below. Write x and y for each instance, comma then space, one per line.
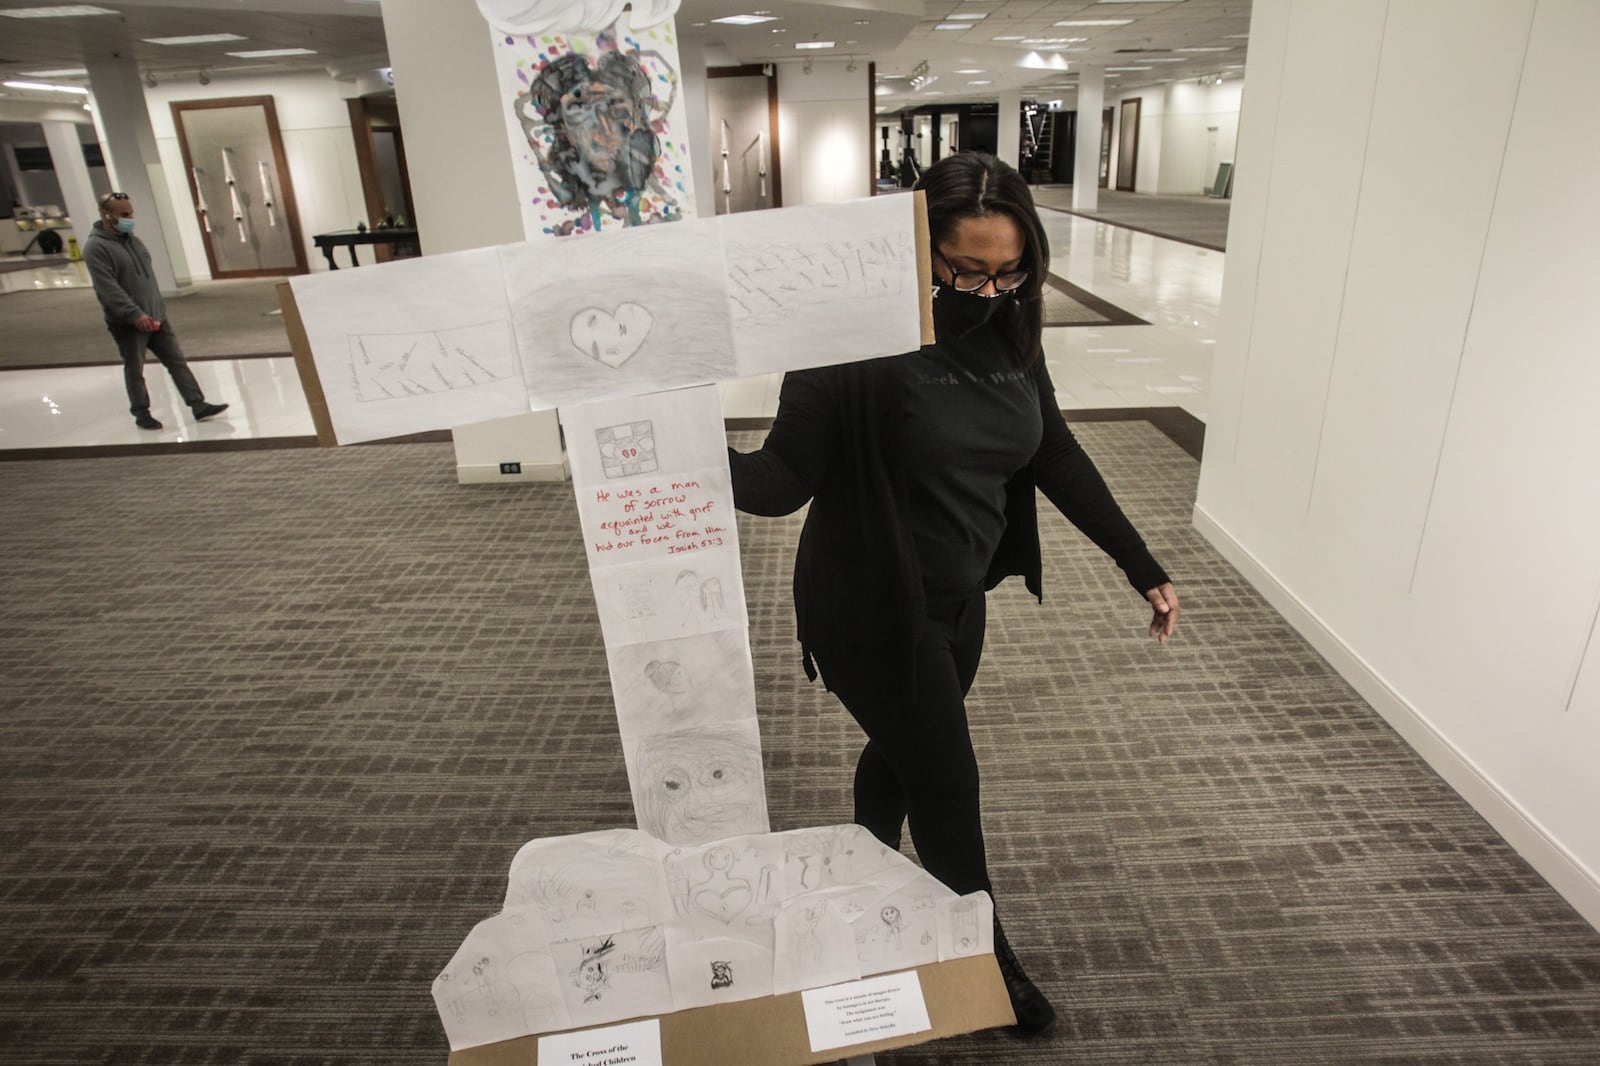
349, 238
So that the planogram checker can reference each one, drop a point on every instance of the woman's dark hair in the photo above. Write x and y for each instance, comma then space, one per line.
977, 185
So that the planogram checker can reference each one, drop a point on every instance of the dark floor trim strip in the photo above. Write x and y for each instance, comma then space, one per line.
1178, 425
252, 444
1110, 312
1136, 229
114, 451
118, 365
1181, 427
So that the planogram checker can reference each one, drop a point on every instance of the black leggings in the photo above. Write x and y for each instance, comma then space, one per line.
918, 764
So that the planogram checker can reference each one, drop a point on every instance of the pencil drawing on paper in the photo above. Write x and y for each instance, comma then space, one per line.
630, 967
597, 882
664, 686
611, 338
727, 888
388, 366
627, 450
784, 279
699, 785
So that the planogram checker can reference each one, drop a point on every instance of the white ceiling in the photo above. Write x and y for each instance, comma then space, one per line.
898, 35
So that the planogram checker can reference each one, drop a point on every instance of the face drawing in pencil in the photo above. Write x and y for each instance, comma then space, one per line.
699, 786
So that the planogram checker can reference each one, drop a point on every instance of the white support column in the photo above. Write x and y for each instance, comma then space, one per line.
465, 192
8, 158
72, 173
119, 99
692, 69
1008, 129
1086, 154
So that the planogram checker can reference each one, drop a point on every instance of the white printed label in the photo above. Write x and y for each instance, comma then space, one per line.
634, 1044
858, 1012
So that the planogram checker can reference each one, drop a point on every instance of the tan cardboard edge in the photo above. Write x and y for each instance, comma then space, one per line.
300, 344
924, 265
962, 995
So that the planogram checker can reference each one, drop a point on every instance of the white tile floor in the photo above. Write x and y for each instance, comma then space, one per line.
1175, 287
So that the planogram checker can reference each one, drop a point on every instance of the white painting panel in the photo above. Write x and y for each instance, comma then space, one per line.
731, 888
835, 855
698, 785
815, 946
661, 599
501, 984
621, 314
966, 926
668, 686
823, 284
609, 978
662, 433
591, 884
901, 929
680, 517
710, 971
412, 345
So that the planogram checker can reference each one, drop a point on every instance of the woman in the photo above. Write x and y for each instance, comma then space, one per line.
920, 471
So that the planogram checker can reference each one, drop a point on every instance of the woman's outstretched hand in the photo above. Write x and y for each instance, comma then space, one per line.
1164, 604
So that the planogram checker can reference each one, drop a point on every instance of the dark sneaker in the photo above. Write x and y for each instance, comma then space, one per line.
1035, 1015
144, 421
206, 410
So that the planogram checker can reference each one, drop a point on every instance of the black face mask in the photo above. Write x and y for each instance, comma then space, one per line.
957, 313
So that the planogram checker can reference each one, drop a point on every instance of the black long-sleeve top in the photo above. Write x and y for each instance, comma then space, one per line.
838, 441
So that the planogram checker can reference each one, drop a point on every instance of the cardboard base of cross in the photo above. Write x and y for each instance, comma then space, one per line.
962, 996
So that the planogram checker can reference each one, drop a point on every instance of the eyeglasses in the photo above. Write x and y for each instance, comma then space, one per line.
116, 196
973, 280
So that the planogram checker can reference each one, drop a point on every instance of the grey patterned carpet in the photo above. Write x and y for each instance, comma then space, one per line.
274, 724
1199, 220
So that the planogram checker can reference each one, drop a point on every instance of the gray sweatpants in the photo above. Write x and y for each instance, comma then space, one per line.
163, 344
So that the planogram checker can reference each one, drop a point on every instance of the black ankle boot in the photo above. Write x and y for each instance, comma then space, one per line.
1035, 1015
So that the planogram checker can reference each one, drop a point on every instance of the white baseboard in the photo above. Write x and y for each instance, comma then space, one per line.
491, 473
1565, 872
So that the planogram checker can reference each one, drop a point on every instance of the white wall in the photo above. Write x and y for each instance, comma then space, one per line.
315, 122
1401, 453
825, 129
1185, 130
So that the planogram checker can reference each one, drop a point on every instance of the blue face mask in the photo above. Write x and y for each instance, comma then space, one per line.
124, 225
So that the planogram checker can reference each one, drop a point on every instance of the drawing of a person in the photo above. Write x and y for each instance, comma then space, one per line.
698, 786
595, 123
592, 977
670, 679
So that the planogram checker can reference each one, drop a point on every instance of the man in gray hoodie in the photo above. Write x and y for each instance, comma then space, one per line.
136, 315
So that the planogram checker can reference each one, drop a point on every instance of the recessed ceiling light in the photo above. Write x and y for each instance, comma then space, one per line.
60, 11
863, 22
69, 72
1092, 22
1052, 40
199, 38
1008, 37
45, 87
743, 20
813, 44
1233, 66
273, 53
1162, 59
1127, 68
970, 70
953, 26
779, 29
983, 82
1214, 48
970, 18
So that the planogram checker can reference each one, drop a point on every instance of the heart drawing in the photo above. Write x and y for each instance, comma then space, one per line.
724, 906
610, 338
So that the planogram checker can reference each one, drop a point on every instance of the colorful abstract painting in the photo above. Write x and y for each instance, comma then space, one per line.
597, 128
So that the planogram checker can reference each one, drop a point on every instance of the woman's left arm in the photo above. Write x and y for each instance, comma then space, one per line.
1069, 479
